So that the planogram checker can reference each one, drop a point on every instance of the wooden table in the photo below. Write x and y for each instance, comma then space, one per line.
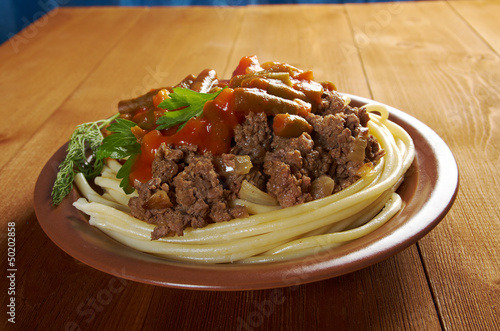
438, 61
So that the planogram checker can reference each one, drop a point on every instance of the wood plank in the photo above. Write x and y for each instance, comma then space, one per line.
32, 79
402, 275
482, 16
56, 292
424, 59
163, 46
148, 57
176, 56
121, 74
349, 302
317, 306
318, 38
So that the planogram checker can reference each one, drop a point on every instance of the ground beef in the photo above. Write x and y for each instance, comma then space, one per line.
253, 137
166, 165
189, 189
373, 151
360, 113
317, 162
198, 187
304, 143
287, 183
193, 188
331, 103
289, 180
254, 177
346, 143
168, 221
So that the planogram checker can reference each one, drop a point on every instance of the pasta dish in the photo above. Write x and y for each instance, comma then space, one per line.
266, 166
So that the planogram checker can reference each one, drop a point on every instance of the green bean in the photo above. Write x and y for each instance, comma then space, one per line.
254, 100
290, 126
274, 87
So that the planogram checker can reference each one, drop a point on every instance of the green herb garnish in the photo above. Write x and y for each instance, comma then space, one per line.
124, 174
183, 105
86, 138
120, 145
87, 150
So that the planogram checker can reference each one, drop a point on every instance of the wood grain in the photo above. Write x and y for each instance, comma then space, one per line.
303, 42
45, 63
436, 60
452, 75
482, 16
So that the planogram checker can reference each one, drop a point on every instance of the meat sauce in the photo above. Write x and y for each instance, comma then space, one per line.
212, 132
214, 129
271, 125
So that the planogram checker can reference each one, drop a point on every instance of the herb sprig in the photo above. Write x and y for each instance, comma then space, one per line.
120, 145
87, 150
183, 104
86, 137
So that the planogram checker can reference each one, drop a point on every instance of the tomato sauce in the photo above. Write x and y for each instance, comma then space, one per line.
248, 64
211, 132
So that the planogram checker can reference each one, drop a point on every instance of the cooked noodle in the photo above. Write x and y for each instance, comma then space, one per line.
272, 233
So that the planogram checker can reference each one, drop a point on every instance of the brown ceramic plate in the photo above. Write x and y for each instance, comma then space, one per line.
428, 191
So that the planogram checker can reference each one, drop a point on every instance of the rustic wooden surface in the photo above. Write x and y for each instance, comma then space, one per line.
438, 61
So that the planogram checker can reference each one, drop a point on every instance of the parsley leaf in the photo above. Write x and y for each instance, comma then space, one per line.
183, 104
124, 173
122, 143
119, 145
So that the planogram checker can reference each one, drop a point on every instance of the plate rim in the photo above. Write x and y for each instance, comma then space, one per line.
229, 277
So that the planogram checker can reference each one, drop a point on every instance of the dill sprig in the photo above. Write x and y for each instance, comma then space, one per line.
85, 140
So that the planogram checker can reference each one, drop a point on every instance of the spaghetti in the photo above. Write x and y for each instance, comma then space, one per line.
271, 233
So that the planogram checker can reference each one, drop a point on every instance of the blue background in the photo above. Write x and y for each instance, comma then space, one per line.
17, 14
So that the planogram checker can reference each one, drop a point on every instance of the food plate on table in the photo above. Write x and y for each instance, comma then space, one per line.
428, 191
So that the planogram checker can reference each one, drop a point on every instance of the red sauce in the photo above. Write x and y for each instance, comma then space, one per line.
211, 132
247, 65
